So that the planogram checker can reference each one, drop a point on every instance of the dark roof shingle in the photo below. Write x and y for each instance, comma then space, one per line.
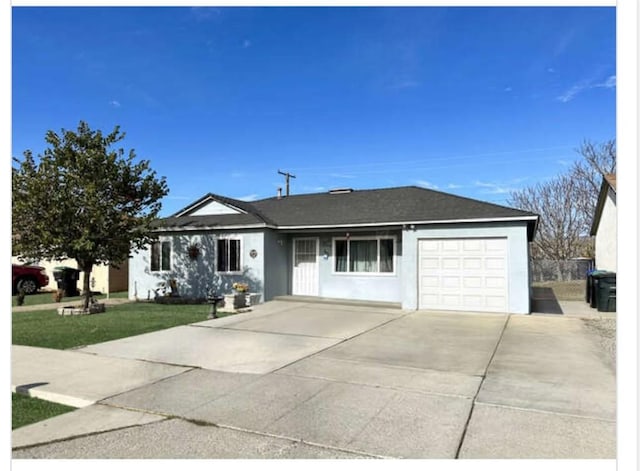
380, 206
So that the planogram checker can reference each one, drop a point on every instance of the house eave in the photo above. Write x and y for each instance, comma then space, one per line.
602, 197
405, 223
229, 227
202, 202
324, 227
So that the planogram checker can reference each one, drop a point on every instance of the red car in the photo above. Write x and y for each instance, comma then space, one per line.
28, 278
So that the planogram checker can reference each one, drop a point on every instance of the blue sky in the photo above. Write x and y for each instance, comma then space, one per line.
472, 101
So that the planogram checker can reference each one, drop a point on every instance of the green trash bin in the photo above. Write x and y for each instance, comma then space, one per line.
593, 280
606, 291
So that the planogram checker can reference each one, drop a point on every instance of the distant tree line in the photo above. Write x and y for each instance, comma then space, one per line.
567, 203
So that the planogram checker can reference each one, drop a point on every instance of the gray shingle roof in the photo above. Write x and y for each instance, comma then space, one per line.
381, 206
391, 205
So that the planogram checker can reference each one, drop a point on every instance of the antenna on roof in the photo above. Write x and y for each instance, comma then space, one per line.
287, 175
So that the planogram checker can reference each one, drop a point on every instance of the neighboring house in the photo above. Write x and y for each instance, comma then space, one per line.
418, 248
604, 226
104, 278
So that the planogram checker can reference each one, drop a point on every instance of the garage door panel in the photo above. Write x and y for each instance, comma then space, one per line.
430, 263
449, 282
495, 282
463, 274
494, 263
472, 263
451, 300
471, 282
449, 263
496, 246
449, 246
472, 301
430, 281
427, 246
472, 246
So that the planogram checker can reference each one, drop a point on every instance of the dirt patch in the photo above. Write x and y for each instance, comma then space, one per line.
561, 290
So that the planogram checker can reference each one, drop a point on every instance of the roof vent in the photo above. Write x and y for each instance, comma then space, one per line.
340, 191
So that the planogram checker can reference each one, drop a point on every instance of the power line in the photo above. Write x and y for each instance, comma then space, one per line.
287, 175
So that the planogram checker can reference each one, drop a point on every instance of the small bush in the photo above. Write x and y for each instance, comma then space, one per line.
179, 300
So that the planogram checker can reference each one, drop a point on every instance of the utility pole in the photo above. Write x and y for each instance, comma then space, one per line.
287, 175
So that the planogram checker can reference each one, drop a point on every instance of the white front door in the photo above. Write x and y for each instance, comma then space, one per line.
305, 267
463, 274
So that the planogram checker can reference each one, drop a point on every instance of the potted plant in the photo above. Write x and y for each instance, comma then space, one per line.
240, 288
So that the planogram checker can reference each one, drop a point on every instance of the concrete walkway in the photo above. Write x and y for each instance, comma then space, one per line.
296, 379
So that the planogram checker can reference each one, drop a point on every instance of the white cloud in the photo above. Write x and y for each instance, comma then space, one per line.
341, 175
609, 83
453, 186
570, 94
426, 184
246, 43
499, 188
251, 197
115, 103
508, 89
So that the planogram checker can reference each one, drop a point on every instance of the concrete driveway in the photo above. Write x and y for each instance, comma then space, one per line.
312, 380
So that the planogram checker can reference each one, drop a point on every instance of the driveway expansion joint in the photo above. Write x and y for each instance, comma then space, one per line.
543, 411
81, 435
483, 377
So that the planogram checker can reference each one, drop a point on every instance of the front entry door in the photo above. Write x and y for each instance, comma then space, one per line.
305, 267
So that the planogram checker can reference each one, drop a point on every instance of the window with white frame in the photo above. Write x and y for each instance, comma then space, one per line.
228, 255
161, 256
364, 255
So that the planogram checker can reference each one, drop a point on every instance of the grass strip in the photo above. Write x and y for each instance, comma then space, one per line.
27, 410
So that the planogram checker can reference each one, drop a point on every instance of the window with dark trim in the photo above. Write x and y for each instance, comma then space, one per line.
228, 255
161, 256
364, 255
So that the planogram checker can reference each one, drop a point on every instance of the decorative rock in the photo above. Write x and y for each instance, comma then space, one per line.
95, 308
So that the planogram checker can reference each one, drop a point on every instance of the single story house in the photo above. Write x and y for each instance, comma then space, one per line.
417, 248
604, 226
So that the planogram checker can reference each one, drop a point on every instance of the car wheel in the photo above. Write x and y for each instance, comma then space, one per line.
28, 285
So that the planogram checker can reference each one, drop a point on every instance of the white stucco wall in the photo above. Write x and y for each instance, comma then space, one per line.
607, 235
518, 259
196, 277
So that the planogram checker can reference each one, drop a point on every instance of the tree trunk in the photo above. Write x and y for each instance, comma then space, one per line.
86, 267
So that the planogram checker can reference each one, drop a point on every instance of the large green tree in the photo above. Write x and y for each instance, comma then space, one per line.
83, 199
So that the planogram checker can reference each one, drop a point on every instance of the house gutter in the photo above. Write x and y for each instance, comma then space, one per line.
408, 223
340, 226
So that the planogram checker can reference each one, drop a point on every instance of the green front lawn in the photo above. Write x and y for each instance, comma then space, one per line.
50, 330
48, 298
27, 410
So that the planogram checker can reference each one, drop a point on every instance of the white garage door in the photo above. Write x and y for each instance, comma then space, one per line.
463, 274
